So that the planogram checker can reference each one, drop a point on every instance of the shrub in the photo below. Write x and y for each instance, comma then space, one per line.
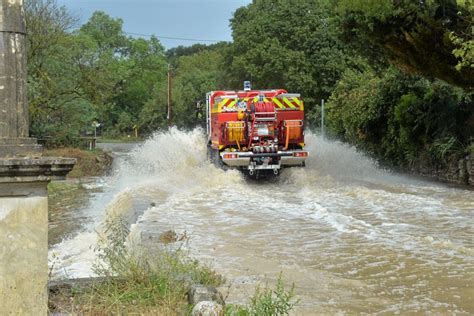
267, 302
134, 280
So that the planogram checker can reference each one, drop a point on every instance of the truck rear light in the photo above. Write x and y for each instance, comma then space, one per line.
300, 154
230, 156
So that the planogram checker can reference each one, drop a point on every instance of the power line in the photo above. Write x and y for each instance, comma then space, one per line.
176, 38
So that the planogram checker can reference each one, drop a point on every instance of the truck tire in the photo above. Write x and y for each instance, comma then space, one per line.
215, 158
209, 153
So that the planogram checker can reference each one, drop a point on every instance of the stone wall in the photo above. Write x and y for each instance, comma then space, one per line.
470, 168
23, 254
459, 171
24, 232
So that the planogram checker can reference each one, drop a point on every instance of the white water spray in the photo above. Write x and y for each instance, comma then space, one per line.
338, 222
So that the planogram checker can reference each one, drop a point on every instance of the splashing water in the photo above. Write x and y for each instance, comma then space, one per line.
351, 236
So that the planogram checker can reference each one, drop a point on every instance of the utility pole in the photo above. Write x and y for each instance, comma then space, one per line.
170, 110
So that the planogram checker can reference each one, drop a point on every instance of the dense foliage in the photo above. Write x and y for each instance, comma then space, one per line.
419, 110
401, 119
289, 44
94, 74
397, 74
433, 38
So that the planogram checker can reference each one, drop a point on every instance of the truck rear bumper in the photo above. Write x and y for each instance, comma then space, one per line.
245, 159
237, 162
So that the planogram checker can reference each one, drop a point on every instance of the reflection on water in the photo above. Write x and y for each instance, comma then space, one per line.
68, 202
352, 237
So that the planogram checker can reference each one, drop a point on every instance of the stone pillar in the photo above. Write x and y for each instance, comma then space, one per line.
24, 176
24, 232
14, 121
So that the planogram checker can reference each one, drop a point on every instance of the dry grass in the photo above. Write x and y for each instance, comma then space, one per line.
89, 163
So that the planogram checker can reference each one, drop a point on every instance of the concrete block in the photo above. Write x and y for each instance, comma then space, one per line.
23, 255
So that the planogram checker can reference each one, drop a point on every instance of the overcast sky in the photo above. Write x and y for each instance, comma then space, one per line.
191, 19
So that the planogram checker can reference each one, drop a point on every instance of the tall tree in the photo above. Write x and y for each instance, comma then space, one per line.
196, 75
433, 38
288, 44
55, 97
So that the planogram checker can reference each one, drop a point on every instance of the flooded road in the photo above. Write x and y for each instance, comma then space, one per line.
353, 238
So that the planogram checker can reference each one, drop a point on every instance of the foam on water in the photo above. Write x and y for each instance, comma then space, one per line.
338, 222
176, 161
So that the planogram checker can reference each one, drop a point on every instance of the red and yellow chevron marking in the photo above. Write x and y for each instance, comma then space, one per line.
292, 103
224, 103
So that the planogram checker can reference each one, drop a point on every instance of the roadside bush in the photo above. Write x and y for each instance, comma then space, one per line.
133, 280
444, 148
401, 119
267, 302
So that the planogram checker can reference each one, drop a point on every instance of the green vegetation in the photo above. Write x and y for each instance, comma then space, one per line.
288, 44
401, 119
92, 74
134, 280
432, 38
118, 259
121, 139
397, 74
267, 301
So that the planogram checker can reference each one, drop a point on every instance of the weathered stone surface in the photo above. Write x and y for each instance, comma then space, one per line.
40, 169
470, 168
14, 122
17, 141
208, 308
22, 189
199, 293
12, 17
19, 147
13, 104
23, 255
23, 181
460, 171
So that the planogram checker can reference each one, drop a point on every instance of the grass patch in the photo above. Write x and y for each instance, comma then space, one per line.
89, 162
135, 281
56, 189
267, 301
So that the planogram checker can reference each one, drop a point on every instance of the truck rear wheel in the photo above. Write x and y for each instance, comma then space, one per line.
214, 157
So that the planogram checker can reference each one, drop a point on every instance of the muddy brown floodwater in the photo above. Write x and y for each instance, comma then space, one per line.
352, 237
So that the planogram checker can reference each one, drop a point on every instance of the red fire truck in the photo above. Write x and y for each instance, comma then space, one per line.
256, 131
